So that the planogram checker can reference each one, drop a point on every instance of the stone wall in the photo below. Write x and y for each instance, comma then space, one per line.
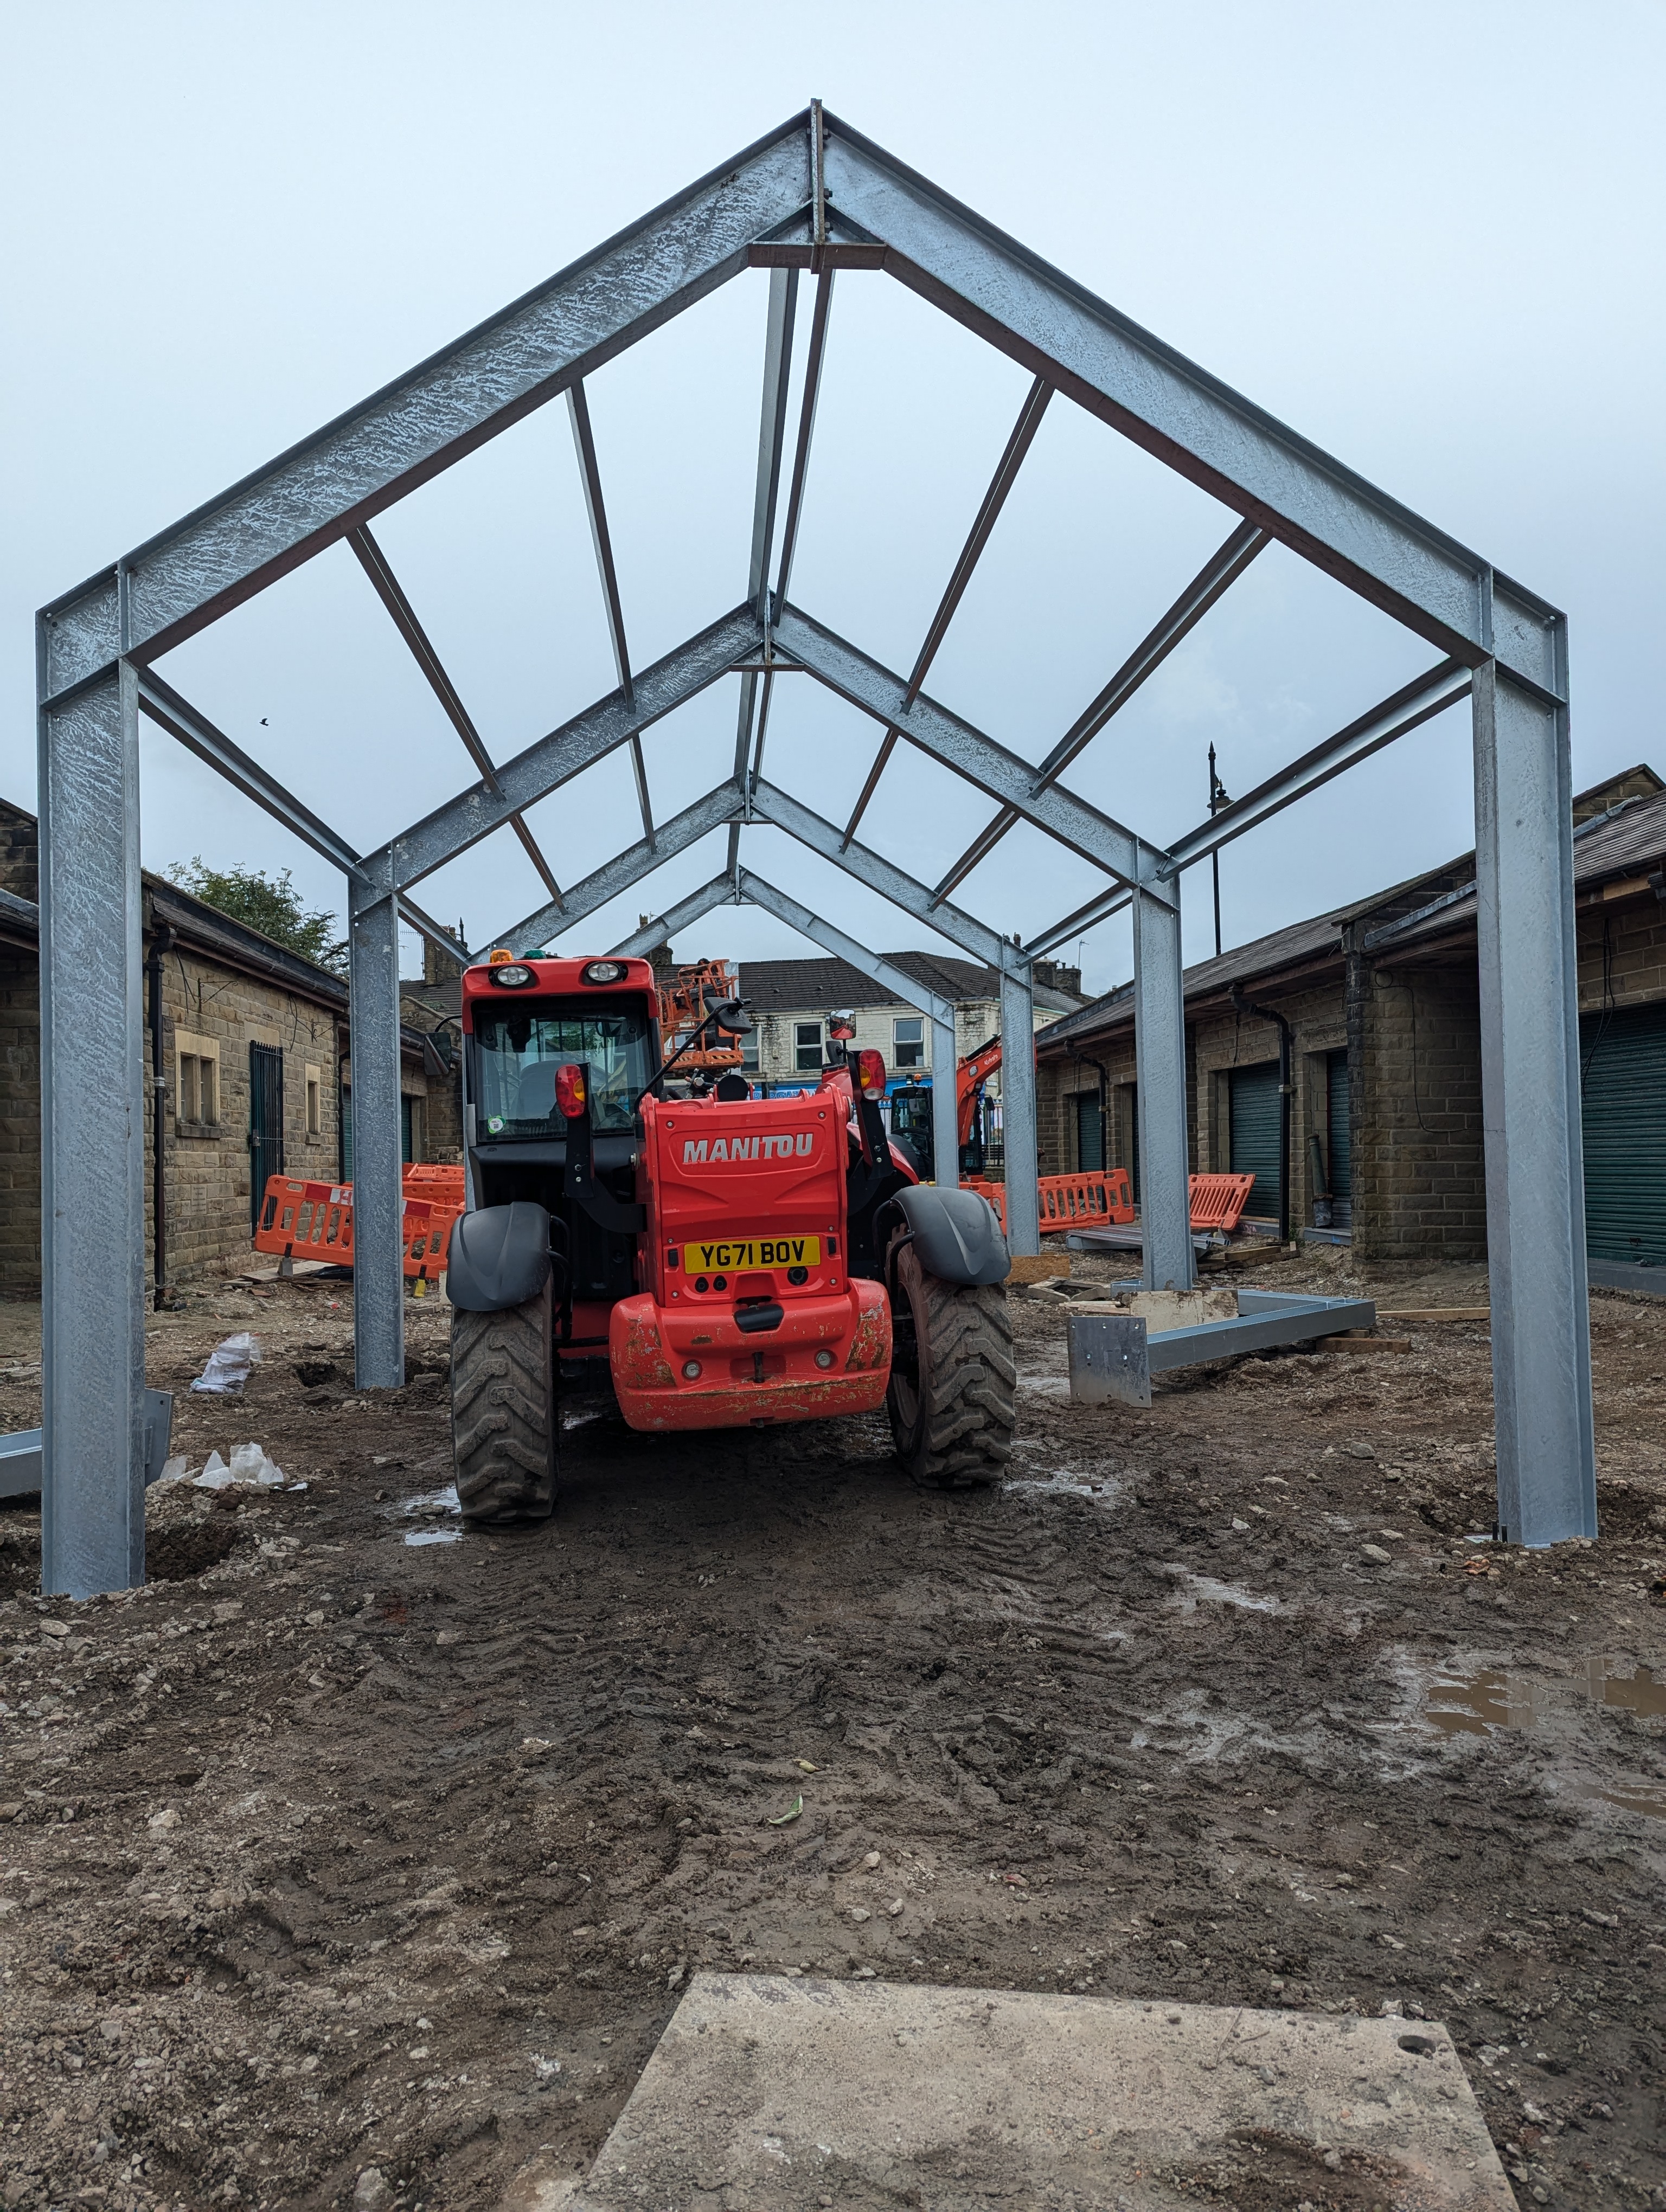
20, 1116
1420, 1167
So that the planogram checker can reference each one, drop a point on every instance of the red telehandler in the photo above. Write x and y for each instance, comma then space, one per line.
720, 1261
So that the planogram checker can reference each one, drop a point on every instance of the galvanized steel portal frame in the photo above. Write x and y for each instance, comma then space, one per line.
813, 199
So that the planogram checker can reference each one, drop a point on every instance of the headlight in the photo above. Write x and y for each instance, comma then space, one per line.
603, 971
511, 976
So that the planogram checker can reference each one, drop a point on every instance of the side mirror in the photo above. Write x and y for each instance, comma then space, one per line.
731, 1014
572, 1091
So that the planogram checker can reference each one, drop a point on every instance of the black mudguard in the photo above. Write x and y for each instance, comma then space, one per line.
499, 1257
957, 1233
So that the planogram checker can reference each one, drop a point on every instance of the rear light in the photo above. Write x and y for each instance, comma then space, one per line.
692, 1370
871, 1073
572, 1094
510, 976
603, 971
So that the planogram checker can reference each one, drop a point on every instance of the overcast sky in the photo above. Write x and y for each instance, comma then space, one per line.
1427, 236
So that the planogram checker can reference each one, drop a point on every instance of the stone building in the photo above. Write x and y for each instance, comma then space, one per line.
1383, 1006
255, 1079
792, 1000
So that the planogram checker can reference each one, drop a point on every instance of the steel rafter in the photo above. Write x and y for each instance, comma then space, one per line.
1217, 575
771, 444
389, 590
584, 442
983, 522
660, 929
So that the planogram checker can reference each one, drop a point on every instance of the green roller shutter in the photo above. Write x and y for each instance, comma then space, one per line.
1090, 1133
1254, 1108
1623, 1094
1339, 1140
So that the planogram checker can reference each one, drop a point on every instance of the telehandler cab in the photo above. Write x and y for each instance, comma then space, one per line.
722, 1260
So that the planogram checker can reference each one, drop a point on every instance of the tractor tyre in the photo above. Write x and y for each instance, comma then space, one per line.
503, 1413
952, 1400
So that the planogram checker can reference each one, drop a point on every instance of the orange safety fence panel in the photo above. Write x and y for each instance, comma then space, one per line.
1072, 1201
1219, 1199
302, 1220
429, 1180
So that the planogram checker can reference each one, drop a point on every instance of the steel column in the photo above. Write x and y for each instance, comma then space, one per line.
91, 1143
946, 1103
1530, 1045
1160, 1045
379, 1324
1018, 1111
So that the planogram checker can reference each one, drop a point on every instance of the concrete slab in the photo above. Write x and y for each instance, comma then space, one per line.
769, 2092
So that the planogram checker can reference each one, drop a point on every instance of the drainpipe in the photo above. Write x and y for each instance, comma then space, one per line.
1287, 1088
161, 942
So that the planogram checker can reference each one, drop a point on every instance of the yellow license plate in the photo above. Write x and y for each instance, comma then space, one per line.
753, 1252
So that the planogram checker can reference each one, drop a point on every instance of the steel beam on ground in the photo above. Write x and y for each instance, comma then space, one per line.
617, 875
192, 729
565, 753
379, 1341
1217, 575
1188, 419
1018, 1111
93, 1123
983, 522
1408, 709
481, 384
945, 737
660, 929
974, 938
1159, 1044
1530, 1057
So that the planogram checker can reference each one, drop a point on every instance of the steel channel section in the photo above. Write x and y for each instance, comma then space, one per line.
378, 1194
1169, 1262
1530, 1042
93, 1096
1114, 1356
955, 743
660, 928
1188, 419
544, 766
622, 873
946, 1104
424, 422
772, 442
1018, 1111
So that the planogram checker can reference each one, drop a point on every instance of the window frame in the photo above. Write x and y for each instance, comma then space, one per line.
811, 1037
914, 1046
199, 1088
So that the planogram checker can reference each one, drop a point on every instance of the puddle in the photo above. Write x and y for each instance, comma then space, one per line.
434, 1536
1067, 1482
435, 1505
1488, 1700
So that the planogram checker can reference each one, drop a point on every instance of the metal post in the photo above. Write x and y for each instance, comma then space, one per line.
379, 1320
1529, 1058
1018, 1111
92, 1142
1159, 1043
946, 1104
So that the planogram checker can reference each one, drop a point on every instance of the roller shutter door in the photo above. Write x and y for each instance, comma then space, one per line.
1090, 1133
1339, 1139
1253, 1104
1622, 1057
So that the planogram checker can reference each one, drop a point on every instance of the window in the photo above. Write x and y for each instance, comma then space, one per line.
517, 1051
411, 1129
908, 1040
806, 1046
750, 1060
314, 1101
197, 1089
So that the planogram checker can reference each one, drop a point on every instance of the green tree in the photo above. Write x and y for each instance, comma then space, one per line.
270, 904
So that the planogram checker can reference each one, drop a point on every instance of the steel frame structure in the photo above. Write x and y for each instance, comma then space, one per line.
812, 198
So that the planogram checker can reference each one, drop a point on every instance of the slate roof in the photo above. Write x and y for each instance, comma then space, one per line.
1620, 830
779, 987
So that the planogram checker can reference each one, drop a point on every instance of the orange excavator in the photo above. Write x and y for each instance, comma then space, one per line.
911, 1113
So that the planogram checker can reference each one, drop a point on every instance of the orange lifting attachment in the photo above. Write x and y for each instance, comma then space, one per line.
314, 1220
684, 1003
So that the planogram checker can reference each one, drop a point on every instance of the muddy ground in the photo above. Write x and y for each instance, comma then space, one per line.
336, 1851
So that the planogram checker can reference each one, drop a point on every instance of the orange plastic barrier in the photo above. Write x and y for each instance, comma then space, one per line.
439, 1185
1072, 1201
1219, 1199
306, 1220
